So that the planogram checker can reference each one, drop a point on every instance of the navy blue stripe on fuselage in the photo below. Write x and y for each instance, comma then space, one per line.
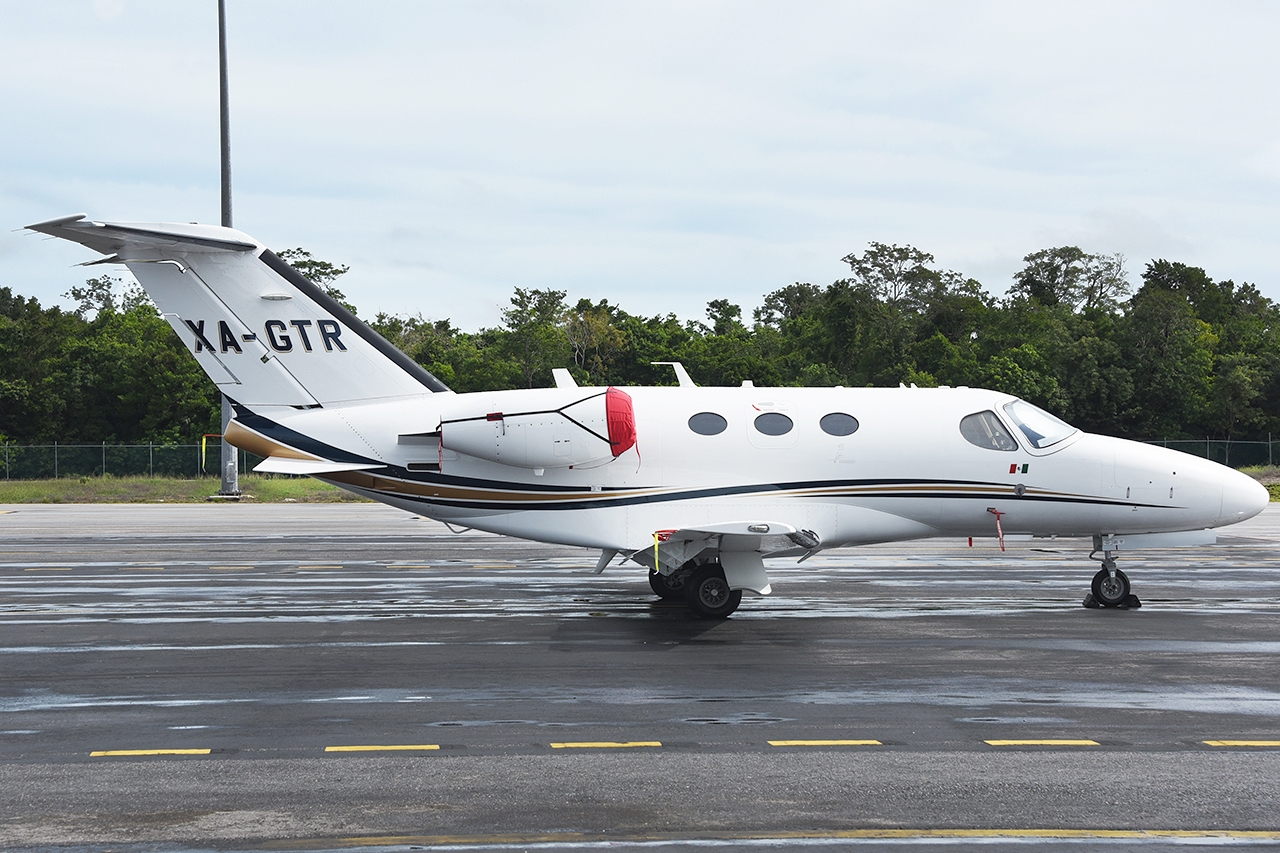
597, 500
292, 438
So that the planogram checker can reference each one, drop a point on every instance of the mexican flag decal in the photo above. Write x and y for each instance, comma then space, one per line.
1014, 469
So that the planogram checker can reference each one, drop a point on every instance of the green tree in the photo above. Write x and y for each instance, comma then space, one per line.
1051, 276
593, 339
1244, 327
1171, 353
1104, 282
1068, 276
535, 338
120, 376
33, 393
893, 274
99, 295
874, 321
322, 274
791, 303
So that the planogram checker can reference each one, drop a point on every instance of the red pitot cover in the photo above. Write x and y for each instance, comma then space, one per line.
622, 420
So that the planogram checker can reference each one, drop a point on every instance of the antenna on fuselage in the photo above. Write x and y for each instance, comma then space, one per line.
230, 467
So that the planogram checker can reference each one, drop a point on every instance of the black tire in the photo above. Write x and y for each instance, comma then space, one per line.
708, 595
1110, 592
667, 587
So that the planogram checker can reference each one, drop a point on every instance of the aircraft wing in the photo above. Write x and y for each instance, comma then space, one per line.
740, 547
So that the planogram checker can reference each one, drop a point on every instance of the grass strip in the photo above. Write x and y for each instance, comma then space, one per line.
109, 489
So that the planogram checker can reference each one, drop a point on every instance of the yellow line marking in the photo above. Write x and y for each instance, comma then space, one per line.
233, 568
604, 744
392, 748
1044, 742
47, 569
7, 511
825, 743
103, 752
1242, 742
563, 837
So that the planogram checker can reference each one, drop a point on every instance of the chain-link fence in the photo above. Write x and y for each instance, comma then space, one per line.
1237, 454
46, 461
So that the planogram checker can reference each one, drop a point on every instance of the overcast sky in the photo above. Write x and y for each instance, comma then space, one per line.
655, 154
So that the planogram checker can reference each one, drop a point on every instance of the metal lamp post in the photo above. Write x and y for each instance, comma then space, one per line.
230, 470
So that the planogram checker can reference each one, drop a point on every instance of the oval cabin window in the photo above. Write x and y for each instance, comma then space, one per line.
708, 423
838, 423
773, 423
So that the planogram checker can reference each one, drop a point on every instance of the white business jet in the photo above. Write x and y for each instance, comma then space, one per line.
698, 485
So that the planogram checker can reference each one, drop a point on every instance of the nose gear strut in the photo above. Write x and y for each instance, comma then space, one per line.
1110, 587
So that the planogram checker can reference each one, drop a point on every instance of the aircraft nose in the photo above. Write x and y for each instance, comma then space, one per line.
1242, 497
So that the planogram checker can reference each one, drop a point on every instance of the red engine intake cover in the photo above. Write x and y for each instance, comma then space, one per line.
622, 420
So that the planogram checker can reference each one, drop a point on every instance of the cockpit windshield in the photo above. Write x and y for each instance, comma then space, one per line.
1041, 428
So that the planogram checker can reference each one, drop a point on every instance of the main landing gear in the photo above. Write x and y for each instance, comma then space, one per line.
702, 586
1110, 587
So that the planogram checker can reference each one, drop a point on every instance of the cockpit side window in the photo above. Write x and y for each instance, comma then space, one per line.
1041, 428
985, 430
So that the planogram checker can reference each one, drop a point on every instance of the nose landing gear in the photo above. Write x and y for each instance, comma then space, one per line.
1110, 587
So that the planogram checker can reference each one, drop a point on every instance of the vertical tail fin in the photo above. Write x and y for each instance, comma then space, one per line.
263, 333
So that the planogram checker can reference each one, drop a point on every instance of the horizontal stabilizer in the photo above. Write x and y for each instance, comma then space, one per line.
311, 467
109, 237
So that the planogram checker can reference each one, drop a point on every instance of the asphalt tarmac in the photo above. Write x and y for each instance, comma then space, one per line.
329, 676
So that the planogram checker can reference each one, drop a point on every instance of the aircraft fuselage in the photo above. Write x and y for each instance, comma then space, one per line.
905, 472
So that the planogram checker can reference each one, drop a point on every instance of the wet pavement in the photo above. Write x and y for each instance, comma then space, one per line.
532, 702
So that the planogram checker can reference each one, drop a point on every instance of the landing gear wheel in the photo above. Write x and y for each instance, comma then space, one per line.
1110, 591
668, 587
708, 595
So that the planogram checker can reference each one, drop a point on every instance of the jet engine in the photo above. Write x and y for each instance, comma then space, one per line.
584, 432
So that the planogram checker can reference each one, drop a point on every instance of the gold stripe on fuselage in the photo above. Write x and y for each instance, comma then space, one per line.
497, 496
444, 491
248, 440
